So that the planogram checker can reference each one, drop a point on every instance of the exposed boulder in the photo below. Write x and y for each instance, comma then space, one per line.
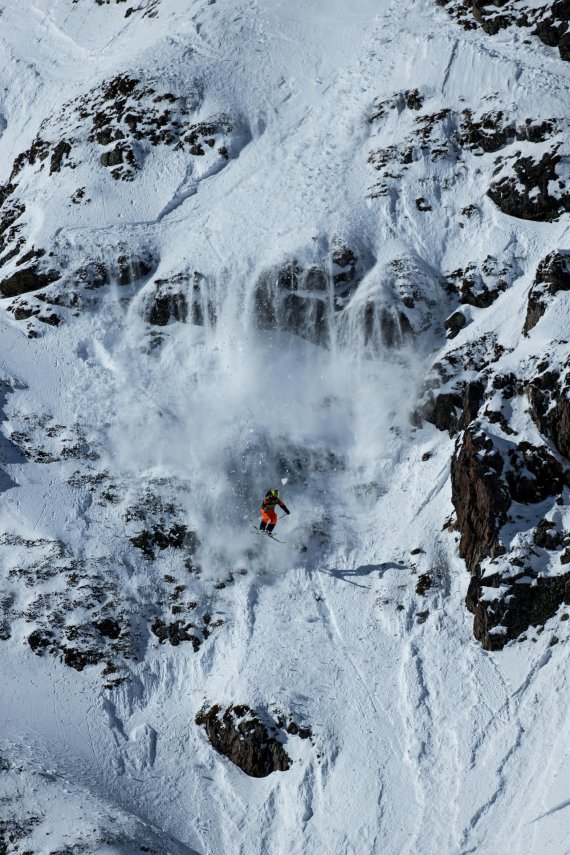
443, 411
307, 299
165, 306
453, 411
547, 21
161, 536
472, 398
527, 194
552, 276
27, 280
546, 536
175, 633
252, 742
523, 601
184, 297
454, 324
485, 482
480, 497
549, 398
534, 473
129, 267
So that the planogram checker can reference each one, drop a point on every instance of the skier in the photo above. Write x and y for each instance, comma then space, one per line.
268, 515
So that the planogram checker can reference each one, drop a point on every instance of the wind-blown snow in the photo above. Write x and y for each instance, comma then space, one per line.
423, 742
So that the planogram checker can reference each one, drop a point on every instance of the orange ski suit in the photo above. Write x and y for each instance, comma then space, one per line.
268, 514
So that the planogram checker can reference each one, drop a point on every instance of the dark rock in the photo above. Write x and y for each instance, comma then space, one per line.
413, 99
239, 734
304, 300
564, 47
489, 132
527, 194
33, 255
135, 268
550, 409
52, 320
552, 276
108, 627
165, 307
94, 274
175, 633
114, 157
40, 642
423, 584
546, 536
534, 474
454, 324
343, 258
61, 150
479, 296
395, 328
548, 32
26, 280
79, 659
443, 411
472, 398
422, 204
480, 497
161, 537
522, 605
496, 417
536, 132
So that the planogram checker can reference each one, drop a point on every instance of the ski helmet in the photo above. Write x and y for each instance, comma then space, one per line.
275, 493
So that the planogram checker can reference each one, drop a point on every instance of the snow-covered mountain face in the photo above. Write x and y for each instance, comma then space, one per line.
315, 246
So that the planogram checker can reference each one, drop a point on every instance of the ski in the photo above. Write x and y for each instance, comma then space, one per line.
267, 534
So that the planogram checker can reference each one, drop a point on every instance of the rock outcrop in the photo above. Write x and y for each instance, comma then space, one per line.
552, 276
524, 187
549, 397
548, 21
485, 483
480, 497
504, 606
252, 742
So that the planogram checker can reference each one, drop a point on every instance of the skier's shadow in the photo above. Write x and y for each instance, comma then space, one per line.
363, 571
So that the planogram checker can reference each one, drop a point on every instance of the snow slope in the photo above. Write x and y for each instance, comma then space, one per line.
422, 741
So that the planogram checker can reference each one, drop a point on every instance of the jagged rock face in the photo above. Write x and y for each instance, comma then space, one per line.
525, 601
119, 122
484, 485
547, 21
321, 303
305, 300
549, 396
527, 193
552, 276
26, 280
452, 411
186, 297
533, 185
480, 497
534, 474
240, 735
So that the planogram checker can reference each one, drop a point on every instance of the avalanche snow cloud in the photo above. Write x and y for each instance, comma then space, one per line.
316, 246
